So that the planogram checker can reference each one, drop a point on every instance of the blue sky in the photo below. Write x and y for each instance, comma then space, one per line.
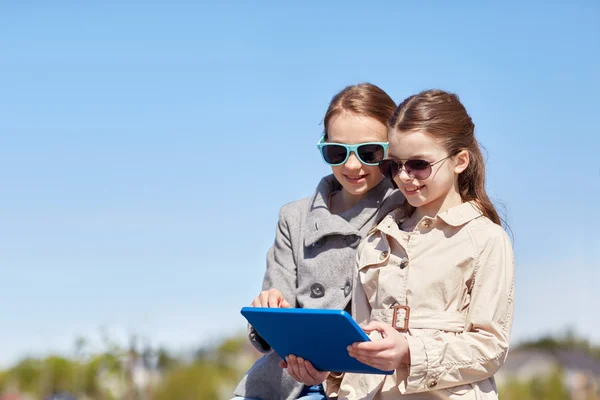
145, 150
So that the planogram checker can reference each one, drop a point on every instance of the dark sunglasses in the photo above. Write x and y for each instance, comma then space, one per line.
334, 154
416, 169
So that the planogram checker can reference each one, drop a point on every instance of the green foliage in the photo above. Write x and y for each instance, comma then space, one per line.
213, 372
231, 346
210, 376
27, 374
166, 361
567, 341
549, 388
198, 381
3, 381
58, 375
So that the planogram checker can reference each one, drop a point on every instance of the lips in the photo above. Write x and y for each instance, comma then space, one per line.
413, 189
355, 178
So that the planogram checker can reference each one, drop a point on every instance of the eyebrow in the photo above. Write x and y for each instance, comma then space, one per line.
420, 156
415, 157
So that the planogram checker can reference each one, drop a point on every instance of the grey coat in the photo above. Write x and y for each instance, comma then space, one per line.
312, 263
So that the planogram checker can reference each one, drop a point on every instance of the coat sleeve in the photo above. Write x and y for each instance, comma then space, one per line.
281, 273
449, 359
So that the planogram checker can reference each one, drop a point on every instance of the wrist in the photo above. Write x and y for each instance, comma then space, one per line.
406, 355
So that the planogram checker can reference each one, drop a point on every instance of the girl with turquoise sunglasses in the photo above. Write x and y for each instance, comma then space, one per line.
311, 264
334, 154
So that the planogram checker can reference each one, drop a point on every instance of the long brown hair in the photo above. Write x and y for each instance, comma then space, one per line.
442, 115
364, 99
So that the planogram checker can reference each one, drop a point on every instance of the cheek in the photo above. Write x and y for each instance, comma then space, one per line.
443, 180
338, 172
372, 170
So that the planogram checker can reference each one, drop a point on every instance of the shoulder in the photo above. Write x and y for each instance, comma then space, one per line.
294, 210
298, 209
392, 201
487, 235
486, 229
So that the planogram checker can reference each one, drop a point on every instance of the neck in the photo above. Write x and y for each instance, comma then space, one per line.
440, 205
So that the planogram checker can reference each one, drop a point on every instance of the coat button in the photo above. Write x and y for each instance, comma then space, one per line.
404, 264
426, 224
347, 289
353, 241
319, 243
317, 291
383, 255
432, 383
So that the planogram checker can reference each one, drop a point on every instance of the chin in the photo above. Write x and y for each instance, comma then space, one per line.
415, 202
357, 191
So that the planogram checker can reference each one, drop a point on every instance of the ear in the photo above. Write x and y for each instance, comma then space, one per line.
461, 161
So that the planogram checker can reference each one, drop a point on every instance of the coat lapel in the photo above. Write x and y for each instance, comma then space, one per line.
320, 222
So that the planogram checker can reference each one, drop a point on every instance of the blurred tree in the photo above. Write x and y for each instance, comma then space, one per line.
550, 388
569, 340
198, 381
554, 387
166, 360
3, 381
232, 346
27, 375
58, 375
90, 384
516, 390
227, 356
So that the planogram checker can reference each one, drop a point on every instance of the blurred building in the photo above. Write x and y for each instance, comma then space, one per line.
580, 371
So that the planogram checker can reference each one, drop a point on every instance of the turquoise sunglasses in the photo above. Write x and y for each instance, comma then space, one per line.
370, 153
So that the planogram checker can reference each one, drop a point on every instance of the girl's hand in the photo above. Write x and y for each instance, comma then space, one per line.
303, 371
271, 299
386, 354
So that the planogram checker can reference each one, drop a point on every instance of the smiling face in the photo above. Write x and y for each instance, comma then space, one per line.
355, 177
437, 192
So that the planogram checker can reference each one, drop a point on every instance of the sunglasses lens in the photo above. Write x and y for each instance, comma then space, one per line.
419, 169
388, 168
334, 154
371, 153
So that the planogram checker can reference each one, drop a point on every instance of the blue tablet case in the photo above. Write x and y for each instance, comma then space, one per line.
319, 336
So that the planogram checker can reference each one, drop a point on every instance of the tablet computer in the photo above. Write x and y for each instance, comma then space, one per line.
319, 336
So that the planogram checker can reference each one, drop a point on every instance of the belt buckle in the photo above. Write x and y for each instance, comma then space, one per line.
406, 317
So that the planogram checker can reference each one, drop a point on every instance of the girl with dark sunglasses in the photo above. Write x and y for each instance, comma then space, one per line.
434, 284
311, 263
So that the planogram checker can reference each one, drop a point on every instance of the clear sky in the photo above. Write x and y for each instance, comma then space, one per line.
146, 148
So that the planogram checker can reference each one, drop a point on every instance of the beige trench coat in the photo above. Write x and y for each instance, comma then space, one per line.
455, 272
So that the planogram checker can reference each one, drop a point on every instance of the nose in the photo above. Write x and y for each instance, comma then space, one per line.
352, 163
403, 175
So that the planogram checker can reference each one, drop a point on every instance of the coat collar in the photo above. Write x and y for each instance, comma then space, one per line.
456, 216
321, 222
461, 214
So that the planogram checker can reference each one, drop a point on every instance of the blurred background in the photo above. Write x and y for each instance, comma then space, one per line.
146, 148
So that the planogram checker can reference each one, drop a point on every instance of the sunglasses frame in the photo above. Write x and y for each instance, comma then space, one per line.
402, 166
350, 148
